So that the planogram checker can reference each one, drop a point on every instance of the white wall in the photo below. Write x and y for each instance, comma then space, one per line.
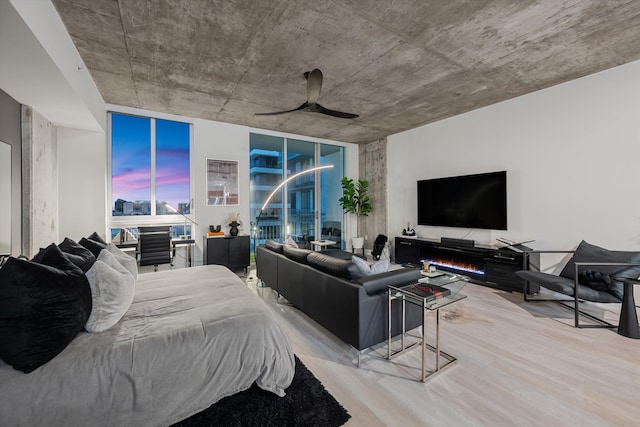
570, 152
82, 171
5, 196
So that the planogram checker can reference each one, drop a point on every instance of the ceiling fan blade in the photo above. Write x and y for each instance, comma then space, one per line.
314, 85
320, 109
302, 107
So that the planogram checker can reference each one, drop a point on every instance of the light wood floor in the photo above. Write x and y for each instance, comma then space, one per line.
519, 364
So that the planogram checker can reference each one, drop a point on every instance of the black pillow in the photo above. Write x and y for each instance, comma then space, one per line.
594, 280
42, 308
77, 254
94, 246
96, 238
587, 252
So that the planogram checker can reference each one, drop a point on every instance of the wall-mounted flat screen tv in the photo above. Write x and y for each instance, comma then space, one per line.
468, 201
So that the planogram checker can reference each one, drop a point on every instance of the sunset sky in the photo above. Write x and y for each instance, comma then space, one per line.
131, 164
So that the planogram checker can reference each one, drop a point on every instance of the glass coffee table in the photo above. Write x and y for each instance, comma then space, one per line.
430, 293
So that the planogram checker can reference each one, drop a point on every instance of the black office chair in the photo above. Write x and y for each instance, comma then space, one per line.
154, 246
378, 246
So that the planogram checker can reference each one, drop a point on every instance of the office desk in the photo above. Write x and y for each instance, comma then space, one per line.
189, 243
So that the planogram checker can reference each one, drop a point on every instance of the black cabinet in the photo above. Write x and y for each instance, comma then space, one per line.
485, 265
407, 251
231, 251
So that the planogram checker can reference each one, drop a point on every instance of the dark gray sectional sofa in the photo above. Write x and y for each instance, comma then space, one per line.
329, 288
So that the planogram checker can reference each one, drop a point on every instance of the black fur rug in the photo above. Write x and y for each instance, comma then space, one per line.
307, 403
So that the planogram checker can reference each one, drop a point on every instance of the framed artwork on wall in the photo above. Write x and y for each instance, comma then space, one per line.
222, 182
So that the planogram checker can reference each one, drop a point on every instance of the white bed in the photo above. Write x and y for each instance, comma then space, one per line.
191, 337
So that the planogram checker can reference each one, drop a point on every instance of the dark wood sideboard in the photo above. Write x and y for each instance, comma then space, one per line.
231, 251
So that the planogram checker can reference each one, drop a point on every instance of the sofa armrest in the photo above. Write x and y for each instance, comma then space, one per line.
380, 282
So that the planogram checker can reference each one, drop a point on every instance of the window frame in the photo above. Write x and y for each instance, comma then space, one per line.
153, 218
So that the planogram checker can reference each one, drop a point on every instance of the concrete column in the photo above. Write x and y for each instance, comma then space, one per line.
373, 168
39, 182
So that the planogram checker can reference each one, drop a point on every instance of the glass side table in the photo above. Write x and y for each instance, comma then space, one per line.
451, 284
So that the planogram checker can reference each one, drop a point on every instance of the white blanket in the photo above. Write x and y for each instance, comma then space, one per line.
191, 337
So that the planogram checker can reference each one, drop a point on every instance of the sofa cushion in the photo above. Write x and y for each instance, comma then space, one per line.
274, 246
296, 254
376, 283
587, 252
43, 307
334, 266
367, 269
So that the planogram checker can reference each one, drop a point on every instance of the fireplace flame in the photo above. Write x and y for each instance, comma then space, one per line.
463, 267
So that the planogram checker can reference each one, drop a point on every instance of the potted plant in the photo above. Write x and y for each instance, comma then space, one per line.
355, 200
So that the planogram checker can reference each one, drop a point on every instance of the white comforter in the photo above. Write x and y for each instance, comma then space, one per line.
191, 337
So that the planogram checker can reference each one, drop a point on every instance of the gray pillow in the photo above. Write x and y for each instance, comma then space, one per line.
112, 292
127, 261
368, 269
291, 243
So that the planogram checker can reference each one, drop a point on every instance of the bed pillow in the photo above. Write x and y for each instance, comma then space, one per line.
112, 291
96, 238
94, 246
368, 269
77, 254
43, 308
127, 261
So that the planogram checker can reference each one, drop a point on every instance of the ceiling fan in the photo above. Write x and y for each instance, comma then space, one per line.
314, 85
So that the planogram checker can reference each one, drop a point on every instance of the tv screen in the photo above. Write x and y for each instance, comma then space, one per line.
469, 201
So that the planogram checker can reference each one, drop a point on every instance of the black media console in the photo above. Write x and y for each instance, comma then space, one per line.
485, 265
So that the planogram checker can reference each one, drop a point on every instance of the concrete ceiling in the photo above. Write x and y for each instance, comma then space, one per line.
398, 64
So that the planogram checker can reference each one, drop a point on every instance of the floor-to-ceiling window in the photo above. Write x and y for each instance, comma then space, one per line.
306, 207
331, 213
150, 173
266, 172
300, 191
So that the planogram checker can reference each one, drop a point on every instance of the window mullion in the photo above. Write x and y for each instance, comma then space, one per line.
153, 167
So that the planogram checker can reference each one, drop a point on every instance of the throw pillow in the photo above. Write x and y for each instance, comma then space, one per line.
94, 246
291, 243
42, 309
587, 252
77, 254
594, 280
127, 261
112, 291
368, 269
